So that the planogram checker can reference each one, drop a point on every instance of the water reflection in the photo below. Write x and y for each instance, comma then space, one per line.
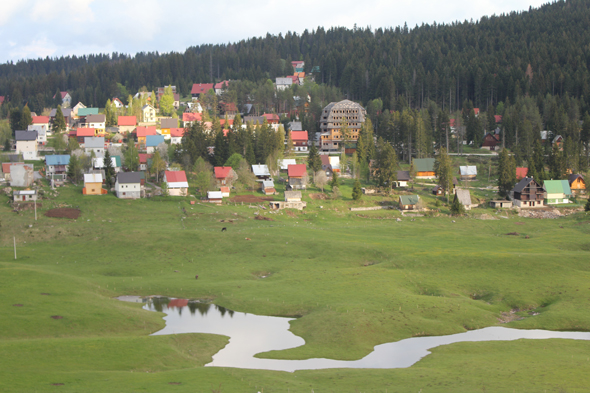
251, 334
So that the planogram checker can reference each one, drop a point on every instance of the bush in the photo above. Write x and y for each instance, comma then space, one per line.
457, 208
587, 206
357, 193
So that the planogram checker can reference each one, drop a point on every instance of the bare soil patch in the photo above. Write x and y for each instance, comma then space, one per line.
259, 217
250, 199
318, 197
63, 212
56, 317
513, 234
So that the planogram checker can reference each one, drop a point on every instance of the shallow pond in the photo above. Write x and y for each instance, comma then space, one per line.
251, 334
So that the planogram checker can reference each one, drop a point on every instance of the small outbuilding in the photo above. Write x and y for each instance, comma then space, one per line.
268, 187
93, 184
500, 204
468, 172
297, 176
464, 197
292, 201
24, 195
403, 177
577, 184
214, 197
261, 172
408, 202
438, 190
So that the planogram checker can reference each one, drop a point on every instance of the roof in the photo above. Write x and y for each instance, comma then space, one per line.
97, 141
127, 121
403, 175
476, 111
222, 85
221, 172
85, 132
6, 166
295, 126
299, 135
24, 192
201, 88
271, 116
229, 121
284, 81
292, 194
268, 184
169, 123
87, 111
260, 170
254, 119
409, 199
557, 187
325, 160
144, 131
40, 119
2, 99
573, 177
188, 116
92, 178
177, 132
128, 177
464, 197
284, 164
523, 183
176, 179
424, 164
297, 170
25, 135
214, 195
115, 162
57, 159
153, 140
96, 118
224, 189
521, 172
144, 157
143, 108
468, 170
67, 112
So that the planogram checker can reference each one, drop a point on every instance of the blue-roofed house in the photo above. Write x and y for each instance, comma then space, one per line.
56, 167
152, 141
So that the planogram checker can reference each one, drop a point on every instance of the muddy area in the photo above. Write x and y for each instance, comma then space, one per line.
250, 199
259, 217
318, 197
63, 212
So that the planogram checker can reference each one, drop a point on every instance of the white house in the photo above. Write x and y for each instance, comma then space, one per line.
98, 122
26, 144
41, 125
128, 185
176, 135
177, 183
149, 113
284, 83
94, 144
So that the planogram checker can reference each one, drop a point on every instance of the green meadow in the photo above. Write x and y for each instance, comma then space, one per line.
354, 279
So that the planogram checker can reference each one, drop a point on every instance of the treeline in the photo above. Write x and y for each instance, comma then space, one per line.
537, 52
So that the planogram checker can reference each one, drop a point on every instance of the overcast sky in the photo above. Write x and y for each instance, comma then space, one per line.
40, 28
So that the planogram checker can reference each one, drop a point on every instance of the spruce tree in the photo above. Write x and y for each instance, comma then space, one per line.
59, 122
356, 190
443, 170
506, 173
314, 161
26, 118
456, 207
109, 171
334, 182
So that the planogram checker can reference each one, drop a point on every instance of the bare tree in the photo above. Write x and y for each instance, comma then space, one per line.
320, 179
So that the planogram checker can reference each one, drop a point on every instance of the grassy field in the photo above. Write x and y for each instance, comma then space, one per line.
356, 279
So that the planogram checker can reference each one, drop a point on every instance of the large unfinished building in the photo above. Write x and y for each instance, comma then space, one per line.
331, 138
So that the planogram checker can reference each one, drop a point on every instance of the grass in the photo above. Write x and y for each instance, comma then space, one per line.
357, 279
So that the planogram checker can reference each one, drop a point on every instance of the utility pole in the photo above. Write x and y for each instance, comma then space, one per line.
35, 209
14, 240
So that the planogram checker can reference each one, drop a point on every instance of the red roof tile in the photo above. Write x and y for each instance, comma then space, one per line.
6, 166
85, 132
40, 119
176, 132
200, 88
175, 176
296, 170
271, 116
299, 136
230, 122
221, 172
521, 173
224, 189
127, 120
145, 131
1, 99
476, 111
144, 157
192, 116
222, 85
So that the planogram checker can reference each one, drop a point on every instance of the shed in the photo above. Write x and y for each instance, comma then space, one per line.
408, 202
500, 204
24, 195
468, 172
93, 184
464, 197
261, 172
403, 177
214, 197
438, 190
268, 187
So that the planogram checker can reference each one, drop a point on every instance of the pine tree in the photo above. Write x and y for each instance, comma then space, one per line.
356, 190
109, 171
387, 164
456, 207
506, 173
314, 161
74, 168
57, 101
59, 122
443, 170
334, 182
587, 206
26, 118
131, 156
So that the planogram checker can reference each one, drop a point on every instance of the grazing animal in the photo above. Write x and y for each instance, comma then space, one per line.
223, 229
197, 277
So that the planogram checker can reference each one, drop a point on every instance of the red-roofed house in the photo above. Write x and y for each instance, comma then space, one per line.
189, 118
297, 176
476, 111
521, 173
452, 124
224, 175
300, 140
66, 99
176, 182
200, 88
82, 133
176, 135
228, 108
230, 122
117, 103
127, 124
219, 87
224, 191
41, 125
142, 131
2, 98
143, 161
271, 118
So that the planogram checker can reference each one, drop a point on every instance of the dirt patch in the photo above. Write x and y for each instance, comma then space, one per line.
506, 317
250, 199
519, 223
259, 217
513, 234
318, 197
56, 317
550, 214
63, 212
291, 214
486, 217
17, 305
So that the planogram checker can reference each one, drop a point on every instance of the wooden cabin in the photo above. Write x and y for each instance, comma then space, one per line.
577, 184
408, 202
93, 184
490, 141
424, 168
528, 193
438, 190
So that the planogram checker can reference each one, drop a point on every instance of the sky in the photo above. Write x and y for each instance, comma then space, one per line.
39, 28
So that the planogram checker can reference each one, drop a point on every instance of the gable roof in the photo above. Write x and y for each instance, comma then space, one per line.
25, 135
94, 142
127, 121
424, 164
115, 162
521, 172
169, 123
143, 158
468, 170
403, 175
96, 118
128, 177
92, 178
201, 88
260, 170
299, 136
464, 197
144, 131
295, 126
409, 199
153, 140
573, 177
85, 132
214, 195
268, 184
177, 132
189, 116
87, 111
284, 163
298, 170
40, 119
524, 183
57, 159
557, 187
176, 179
271, 116
222, 85
6, 166
221, 172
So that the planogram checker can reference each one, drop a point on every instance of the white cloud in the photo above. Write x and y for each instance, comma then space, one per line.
37, 48
9, 8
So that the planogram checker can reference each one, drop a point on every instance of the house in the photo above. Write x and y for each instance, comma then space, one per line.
26, 144
24, 195
176, 135
558, 191
188, 118
220, 87
254, 120
403, 177
177, 183
577, 184
268, 187
56, 167
83, 113
558, 140
408, 202
295, 126
468, 172
41, 125
6, 169
166, 125
334, 163
528, 193
82, 133
228, 108
224, 175
298, 65
271, 118
300, 140
98, 163
261, 172
500, 204
284, 163
117, 103
127, 124
143, 161
68, 116
152, 141
498, 118
142, 132
297, 176
94, 144
66, 99
200, 88
283, 83
21, 175
76, 108
292, 201
149, 113
214, 197
225, 191
438, 190
98, 122
476, 111
128, 185
424, 168
490, 141
521, 173
326, 164
93, 184
464, 198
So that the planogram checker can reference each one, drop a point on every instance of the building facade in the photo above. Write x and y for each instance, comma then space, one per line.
333, 116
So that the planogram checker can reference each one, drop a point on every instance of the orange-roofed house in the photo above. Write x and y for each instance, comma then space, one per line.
127, 124
142, 132
271, 118
230, 122
300, 140
521, 173
224, 176
224, 191
297, 176
82, 133
176, 135
200, 88
189, 118
176, 182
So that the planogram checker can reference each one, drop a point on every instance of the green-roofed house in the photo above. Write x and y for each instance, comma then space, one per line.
408, 202
424, 168
558, 191
83, 112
